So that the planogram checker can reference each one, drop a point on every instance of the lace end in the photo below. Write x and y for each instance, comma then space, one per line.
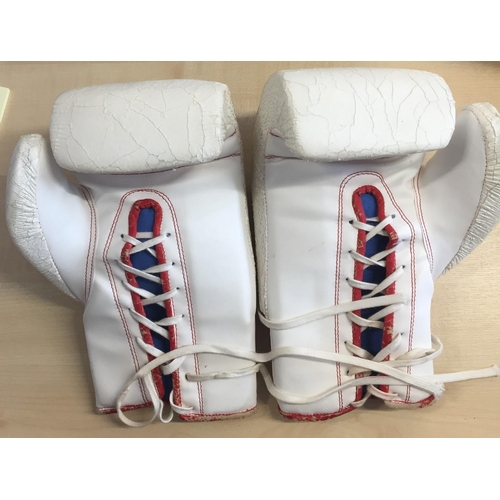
495, 370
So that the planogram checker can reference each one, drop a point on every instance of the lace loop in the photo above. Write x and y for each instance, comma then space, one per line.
433, 384
163, 412
361, 364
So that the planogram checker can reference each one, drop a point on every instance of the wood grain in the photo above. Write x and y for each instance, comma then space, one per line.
45, 383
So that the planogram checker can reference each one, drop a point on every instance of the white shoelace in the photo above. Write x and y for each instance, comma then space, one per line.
379, 259
360, 361
160, 327
390, 304
433, 384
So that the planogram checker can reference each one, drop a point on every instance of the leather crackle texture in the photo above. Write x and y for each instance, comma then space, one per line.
324, 138
347, 114
157, 125
151, 235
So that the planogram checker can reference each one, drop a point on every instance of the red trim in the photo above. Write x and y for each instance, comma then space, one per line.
112, 284
173, 341
191, 417
340, 211
359, 267
207, 417
412, 256
174, 345
110, 410
419, 404
161, 257
421, 219
315, 417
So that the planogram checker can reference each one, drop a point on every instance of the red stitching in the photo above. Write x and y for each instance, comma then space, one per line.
115, 294
421, 219
172, 330
106, 410
175, 375
340, 209
315, 417
413, 271
136, 299
92, 243
216, 416
187, 286
358, 274
337, 277
420, 404
359, 267
413, 276
412, 249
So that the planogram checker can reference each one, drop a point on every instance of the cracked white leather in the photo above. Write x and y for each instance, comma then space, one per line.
74, 236
359, 113
305, 205
157, 125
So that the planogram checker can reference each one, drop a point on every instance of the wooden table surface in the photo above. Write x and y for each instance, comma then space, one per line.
45, 383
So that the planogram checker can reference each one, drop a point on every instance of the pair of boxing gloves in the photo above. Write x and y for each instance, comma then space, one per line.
350, 232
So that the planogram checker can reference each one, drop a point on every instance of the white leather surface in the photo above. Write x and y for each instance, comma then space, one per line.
344, 114
459, 221
309, 205
48, 218
141, 127
302, 209
214, 271
347, 113
73, 235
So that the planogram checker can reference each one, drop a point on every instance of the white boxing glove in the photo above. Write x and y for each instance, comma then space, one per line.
154, 241
351, 230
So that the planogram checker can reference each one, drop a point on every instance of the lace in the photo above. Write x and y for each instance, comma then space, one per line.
376, 260
374, 227
159, 326
389, 303
432, 384
360, 362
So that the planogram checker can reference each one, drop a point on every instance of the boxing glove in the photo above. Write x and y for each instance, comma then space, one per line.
153, 240
352, 229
